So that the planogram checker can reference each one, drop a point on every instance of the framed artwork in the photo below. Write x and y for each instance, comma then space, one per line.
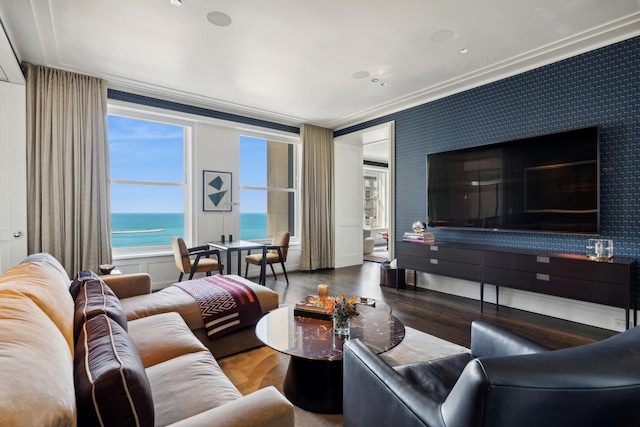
216, 191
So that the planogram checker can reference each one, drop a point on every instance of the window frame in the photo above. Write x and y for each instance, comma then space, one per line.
296, 170
140, 112
377, 203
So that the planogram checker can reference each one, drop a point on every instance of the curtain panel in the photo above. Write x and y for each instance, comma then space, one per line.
68, 174
317, 237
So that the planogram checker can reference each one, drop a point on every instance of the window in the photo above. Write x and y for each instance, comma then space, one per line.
268, 188
375, 190
148, 181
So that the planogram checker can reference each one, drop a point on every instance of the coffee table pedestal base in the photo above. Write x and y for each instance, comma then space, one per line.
314, 385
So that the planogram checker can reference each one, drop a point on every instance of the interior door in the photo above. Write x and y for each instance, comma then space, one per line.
13, 175
348, 203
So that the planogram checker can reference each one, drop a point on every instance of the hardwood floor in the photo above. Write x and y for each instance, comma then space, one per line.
445, 316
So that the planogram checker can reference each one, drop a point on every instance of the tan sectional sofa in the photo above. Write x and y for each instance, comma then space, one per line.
66, 362
138, 301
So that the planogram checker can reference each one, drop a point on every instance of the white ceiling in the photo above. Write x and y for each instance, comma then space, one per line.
293, 62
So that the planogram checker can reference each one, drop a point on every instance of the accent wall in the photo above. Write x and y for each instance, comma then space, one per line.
601, 87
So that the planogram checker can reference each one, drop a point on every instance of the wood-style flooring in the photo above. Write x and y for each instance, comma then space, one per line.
445, 316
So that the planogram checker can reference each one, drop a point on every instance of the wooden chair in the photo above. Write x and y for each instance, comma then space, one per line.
276, 252
201, 264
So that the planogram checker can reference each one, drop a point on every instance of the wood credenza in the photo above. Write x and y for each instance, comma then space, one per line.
610, 282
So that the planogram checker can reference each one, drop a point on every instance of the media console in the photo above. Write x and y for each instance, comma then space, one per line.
610, 282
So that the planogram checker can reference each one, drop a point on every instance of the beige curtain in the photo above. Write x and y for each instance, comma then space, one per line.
68, 168
317, 244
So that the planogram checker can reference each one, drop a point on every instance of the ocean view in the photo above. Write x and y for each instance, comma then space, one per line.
150, 229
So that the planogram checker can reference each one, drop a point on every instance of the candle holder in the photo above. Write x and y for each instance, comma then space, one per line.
323, 294
600, 249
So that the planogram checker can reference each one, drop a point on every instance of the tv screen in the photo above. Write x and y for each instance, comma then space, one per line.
545, 183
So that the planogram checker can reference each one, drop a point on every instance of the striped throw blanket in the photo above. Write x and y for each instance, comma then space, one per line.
226, 304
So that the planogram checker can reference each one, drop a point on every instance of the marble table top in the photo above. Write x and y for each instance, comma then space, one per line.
311, 338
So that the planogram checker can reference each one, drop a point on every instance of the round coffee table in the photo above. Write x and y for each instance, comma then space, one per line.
314, 378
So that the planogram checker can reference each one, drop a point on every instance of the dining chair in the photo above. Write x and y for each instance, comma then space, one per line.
201, 264
276, 253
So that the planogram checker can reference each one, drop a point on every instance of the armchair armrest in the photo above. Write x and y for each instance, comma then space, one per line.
275, 248
578, 385
263, 408
376, 395
202, 248
204, 251
128, 285
491, 340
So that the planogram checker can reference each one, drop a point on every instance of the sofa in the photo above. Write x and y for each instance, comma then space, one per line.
69, 356
505, 381
138, 301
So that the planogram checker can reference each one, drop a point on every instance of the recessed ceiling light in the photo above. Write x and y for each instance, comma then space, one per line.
219, 19
176, 3
360, 74
441, 36
375, 80
463, 51
383, 84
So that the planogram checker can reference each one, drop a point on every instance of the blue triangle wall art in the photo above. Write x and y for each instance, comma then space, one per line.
217, 191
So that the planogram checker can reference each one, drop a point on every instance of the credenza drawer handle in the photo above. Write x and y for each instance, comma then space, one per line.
543, 277
433, 248
543, 259
433, 261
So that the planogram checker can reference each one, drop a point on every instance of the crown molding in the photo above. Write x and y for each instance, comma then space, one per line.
610, 33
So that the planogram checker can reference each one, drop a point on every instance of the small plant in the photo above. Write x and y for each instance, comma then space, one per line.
344, 308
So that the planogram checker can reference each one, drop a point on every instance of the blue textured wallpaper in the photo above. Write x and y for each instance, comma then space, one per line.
601, 87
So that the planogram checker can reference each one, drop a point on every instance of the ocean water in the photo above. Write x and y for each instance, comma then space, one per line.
150, 229
253, 226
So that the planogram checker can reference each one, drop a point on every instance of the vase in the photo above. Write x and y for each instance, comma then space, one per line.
341, 326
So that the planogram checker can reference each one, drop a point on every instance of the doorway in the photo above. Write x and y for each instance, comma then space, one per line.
373, 196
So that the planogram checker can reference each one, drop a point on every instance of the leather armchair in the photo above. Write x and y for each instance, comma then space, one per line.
505, 381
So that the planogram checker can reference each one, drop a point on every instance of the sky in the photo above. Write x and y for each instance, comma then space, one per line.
153, 151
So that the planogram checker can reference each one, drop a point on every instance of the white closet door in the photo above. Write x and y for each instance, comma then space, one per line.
13, 175
348, 203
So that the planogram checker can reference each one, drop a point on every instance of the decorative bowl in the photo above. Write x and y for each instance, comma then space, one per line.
106, 268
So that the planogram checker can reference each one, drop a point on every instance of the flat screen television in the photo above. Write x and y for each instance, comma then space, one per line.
545, 183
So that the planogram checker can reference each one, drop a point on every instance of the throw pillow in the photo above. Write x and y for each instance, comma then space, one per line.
112, 388
77, 283
95, 298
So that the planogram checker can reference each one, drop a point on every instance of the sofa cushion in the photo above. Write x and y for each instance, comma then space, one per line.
48, 261
48, 287
188, 385
161, 337
95, 298
112, 388
36, 366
